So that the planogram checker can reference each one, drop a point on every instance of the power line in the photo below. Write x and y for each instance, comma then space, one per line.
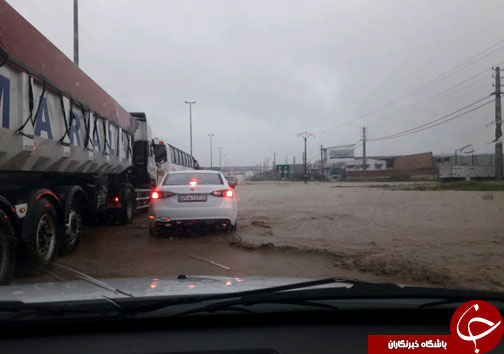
436, 107
461, 66
457, 88
430, 125
468, 62
440, 93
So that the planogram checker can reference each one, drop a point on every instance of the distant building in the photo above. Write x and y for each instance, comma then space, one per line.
411, 166
474, 166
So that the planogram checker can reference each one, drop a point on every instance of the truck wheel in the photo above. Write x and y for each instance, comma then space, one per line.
42, 232
73, 229
127, 210
7, 249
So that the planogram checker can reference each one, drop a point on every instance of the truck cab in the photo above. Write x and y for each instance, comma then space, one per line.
144, 165
162, 158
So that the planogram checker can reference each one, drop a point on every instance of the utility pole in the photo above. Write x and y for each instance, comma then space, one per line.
321, 161
190, 103
498, 128
286, 162
305, 136
364, 162
274, 161
76, 31
294, 160
220, 159
211, 153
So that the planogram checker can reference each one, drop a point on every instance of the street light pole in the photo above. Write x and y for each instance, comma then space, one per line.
305, 136
76, 31
220, 159
211, 157
190, 103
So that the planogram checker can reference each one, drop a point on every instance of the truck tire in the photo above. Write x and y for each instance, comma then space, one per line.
42, 234
126, 214
7, 249
73, 229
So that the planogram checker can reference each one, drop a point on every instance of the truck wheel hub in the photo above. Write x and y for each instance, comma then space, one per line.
73, 226
46, 233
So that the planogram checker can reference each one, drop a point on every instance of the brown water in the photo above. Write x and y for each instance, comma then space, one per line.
129, 251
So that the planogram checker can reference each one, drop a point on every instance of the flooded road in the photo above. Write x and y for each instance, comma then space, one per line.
437, 238
444, 238
129, 251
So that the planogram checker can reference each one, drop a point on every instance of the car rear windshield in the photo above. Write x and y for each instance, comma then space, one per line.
185, 178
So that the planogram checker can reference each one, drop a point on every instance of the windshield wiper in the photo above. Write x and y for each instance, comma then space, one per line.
241, 296
303, 294
91, 280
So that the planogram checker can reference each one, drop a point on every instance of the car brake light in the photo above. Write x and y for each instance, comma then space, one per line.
193, 182
116, 199
227, 193
159, 194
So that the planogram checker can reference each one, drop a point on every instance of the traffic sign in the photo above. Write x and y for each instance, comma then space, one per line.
283, 171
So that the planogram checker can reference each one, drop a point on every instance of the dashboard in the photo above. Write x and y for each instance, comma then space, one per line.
339, 331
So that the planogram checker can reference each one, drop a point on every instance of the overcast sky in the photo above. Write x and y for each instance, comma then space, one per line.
263, 71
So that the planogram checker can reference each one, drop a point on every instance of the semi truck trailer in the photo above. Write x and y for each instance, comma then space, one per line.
69, 153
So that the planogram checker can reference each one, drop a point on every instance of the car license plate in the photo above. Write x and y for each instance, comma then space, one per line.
192, 198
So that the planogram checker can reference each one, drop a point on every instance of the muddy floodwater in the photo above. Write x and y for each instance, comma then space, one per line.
129, 251
444, 238
439, 238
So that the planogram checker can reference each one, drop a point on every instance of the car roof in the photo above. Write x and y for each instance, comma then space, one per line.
193, 171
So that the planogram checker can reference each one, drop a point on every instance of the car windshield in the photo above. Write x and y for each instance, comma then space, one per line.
256, 142
186, 178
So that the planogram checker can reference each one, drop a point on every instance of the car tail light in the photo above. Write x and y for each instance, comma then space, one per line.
161, 194
226, 193
193, 182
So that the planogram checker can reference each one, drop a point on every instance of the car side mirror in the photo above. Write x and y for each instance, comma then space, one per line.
232, 185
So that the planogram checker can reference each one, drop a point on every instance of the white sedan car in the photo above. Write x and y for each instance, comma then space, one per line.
192, 197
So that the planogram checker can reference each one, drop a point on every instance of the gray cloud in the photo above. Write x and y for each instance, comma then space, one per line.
262, 71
